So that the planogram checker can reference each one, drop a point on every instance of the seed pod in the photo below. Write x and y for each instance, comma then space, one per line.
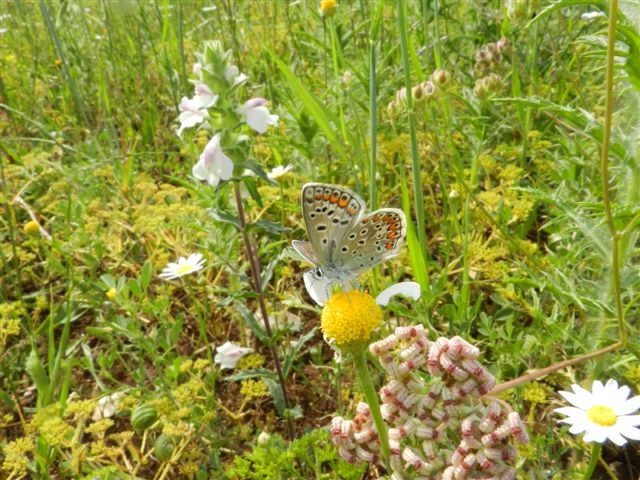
163, 447
143, 417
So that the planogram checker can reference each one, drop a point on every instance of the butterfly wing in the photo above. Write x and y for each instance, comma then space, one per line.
330, 214
375, 238
320, 286
305, 249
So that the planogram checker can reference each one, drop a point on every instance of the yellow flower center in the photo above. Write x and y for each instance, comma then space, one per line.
350, 318
111, 293
184, 269
602, 415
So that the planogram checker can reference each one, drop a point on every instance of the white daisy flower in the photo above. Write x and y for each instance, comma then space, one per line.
279, 171
185, 266
602, 413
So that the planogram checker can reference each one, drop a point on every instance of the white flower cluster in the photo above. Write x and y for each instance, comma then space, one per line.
441, 428
216, 72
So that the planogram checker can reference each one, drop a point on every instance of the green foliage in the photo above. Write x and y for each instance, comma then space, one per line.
310, 456
497, 151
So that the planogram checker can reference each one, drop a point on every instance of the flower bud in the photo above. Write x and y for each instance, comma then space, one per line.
440, 77
417, 92
327, 7
503, 45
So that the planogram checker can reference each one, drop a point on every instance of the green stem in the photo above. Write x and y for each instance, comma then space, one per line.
415, 157
373, 106
374, 405
254, 265
604, 171
596, 450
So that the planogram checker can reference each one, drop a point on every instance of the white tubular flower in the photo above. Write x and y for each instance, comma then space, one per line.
213, 164
193, 110
228, 354
257, 115
233, 75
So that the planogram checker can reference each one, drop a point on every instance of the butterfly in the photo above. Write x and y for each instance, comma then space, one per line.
343, 241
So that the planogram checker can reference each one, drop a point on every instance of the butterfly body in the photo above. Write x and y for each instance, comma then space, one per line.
343, 241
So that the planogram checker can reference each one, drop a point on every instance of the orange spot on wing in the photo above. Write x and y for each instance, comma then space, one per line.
343, 202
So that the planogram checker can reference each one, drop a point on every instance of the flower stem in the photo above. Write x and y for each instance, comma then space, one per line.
604, 170
372, 399
596, 450
256, 284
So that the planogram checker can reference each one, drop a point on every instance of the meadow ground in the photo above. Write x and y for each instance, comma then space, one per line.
507, 134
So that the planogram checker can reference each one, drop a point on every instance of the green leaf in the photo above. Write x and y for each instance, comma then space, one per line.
145, 275
327, 122
251, 321
274, 228
134, 286
36, 371
224, 217
276, 394
252, 188
293, 354
632, 63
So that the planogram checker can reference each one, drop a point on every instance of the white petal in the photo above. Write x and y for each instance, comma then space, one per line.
630, 420
630, 432
224, 167
600, 390
205, 96
279, 171
258, 119
616, 438
251, 104
591, 15
239, 79
189, 119
407, 289
581, 399
200, 171
571, 411
228, 354
594, 436
195, 259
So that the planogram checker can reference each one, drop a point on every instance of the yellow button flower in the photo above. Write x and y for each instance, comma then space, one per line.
350, 318
31, 227
327, 7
